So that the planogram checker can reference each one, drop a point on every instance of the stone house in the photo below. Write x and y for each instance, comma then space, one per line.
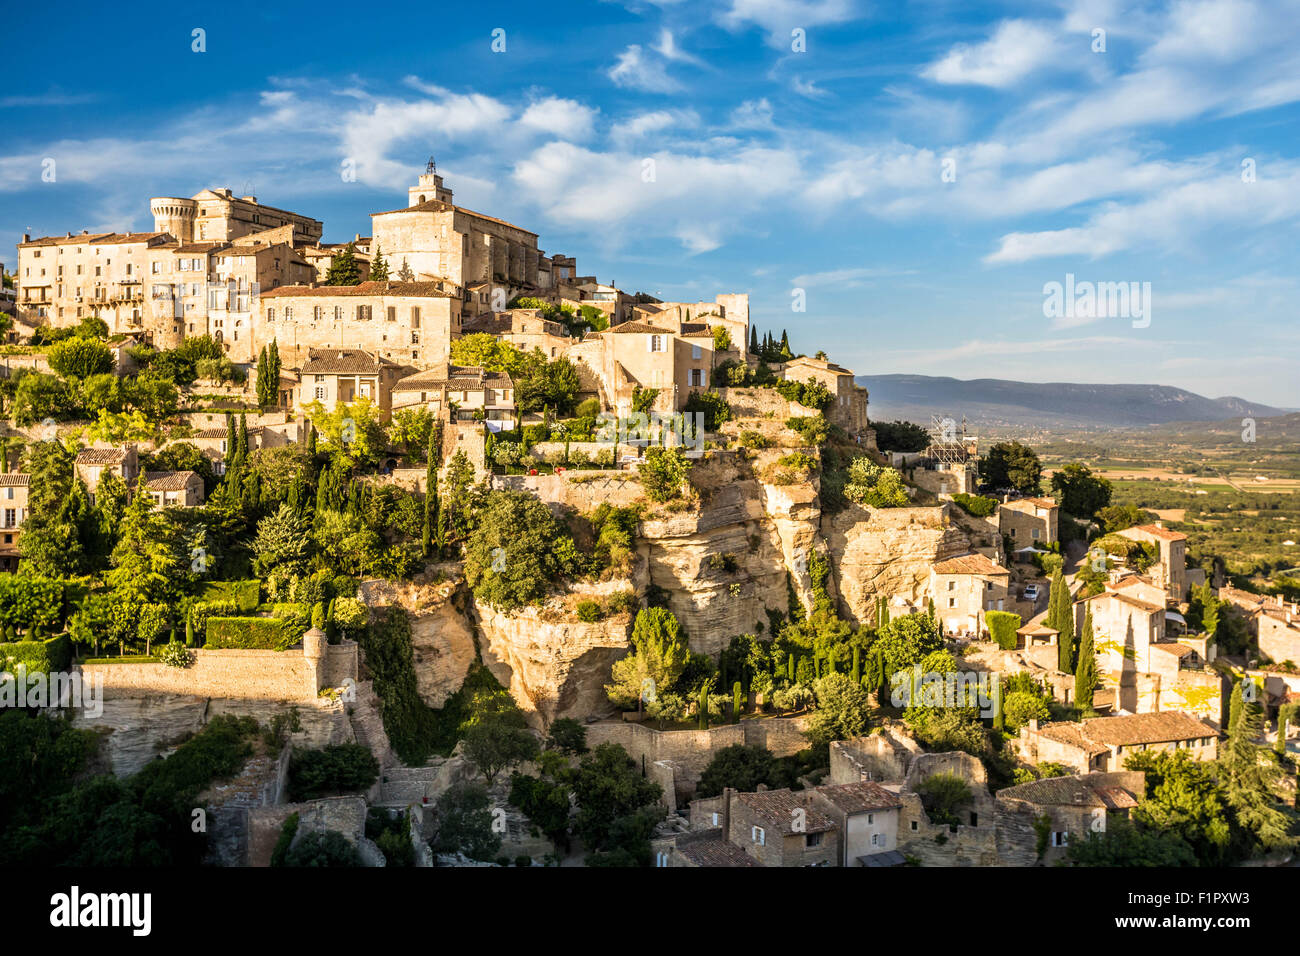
174, 489
1279, 633
866, 815
700, 848
848, 407
460, 393
1102, 743
1171, 570
343, 376
1029, 522
62, 279
1076, 805
1125, 628
525, 329
403, 322
964, 588
617, 305
219, 215
93, 463
13, 512
782, 828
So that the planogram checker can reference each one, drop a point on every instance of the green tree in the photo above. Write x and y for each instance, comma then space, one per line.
875, 486
1078, 492
942, 795
742, 768
496, 736
608, 786
843, 710
1085, 672
344, 268
516, 551
378, 266
664, 473
78, 358
329, 848
1012, 465
660, 654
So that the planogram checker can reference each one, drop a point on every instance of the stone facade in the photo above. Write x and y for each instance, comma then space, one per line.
964, 588
1171, 571
1029, 522
13, 512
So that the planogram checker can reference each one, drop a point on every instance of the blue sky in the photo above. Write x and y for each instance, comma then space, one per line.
774, 168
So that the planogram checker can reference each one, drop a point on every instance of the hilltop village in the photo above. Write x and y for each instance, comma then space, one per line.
425, 549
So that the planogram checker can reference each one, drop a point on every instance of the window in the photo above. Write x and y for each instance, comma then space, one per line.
813, 839
317, 313
758, 836
952, 602
656, 343
877, 839
363, 313
270, 314
914, 825
288, 313
952, 585
871, 818
661, 858
392, 313
974, 819
1060, 837
415, 338
695, 352
320, 396
338, 313
415, 316
696, 377
715, 819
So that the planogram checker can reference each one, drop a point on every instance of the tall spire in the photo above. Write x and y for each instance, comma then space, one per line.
432, 167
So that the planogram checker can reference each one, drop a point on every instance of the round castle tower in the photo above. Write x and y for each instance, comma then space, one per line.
174, 215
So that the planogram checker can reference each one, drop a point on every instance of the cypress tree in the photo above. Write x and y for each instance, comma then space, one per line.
1065, 646
999, 721
789, 667
1279, 745
311, 441
318, 615
704, 706
857, 665
1085, 672
1234, 704
273, 369
232, 440
737, 700
261, 378
189, 629
344, 268
243, 438
753, 339
785, 346
379, 267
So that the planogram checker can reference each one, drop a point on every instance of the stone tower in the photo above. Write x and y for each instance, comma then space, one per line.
174, 215
429, 187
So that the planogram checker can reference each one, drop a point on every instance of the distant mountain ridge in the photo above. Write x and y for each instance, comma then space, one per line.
999, 402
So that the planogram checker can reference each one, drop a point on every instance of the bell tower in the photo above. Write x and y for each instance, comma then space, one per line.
429, 187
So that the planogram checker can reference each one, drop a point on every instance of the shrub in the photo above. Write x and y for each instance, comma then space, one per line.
350, 615
45, 657
712, 406
174, 654
323, 849
1002, 628
243, 595
812, 428
875, 486
249, 633
979, 506
589, 611
754, 439
664, 472
343, 768
288, 831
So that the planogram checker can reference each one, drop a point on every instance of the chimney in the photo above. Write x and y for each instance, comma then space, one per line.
27, 237
727, 794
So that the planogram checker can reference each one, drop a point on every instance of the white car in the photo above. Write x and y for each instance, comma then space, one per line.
1031, 592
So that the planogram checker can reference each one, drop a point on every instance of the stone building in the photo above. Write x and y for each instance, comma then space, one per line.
1124, 627
474, 393
866, 815
1075, 805
343, 376
13, 512
1029, 522
1279, 633
63, 279
440, 240
848, 407
219, 215
174, 489
964, 588
402, 322
525, 329
1171, 571
93, 463
782, 828
1102, 743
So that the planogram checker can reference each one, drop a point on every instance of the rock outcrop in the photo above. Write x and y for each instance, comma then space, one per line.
442, 637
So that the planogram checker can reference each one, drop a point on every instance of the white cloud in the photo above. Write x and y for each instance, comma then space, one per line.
644, 124
567, 119
1016, 49
752, 114
638, 70
779, 17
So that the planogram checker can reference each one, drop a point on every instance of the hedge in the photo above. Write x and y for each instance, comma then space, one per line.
978, 506
1002, 627
51, 655
26, 600
244, 595
128, 659
296, 618
250, 633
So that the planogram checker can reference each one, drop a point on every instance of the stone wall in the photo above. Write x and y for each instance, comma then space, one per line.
343, 815
442, 641
581, 490
762, 403
231, 672
689, 751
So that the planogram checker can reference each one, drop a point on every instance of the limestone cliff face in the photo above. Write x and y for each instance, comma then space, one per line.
442, 638
553, 664
887, 552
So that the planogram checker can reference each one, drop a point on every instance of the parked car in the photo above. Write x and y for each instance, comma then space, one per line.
1031, 592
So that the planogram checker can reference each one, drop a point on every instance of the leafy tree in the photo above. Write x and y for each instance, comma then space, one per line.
905, 641
145, 561
78, 358
608, 786
1252, 783
344, 268
40, 396
516, 551
412, 429
664, 473
568, 736
283, 543
1184, 799
59, 515
1118, 517
1019, 707
1012, 465
659, 657
1079, 492
1125, 844
711, 406
340, 768
329, 848
496, 735
875, 486
942, 795
843, 710
465, 822
405, 274
353, 430
901, 436
743, 768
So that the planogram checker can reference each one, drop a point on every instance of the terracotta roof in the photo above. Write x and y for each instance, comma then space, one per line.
1065, 732
1156, 728
716, 852
860, 797
1036, 502
1034, 630
1071, 791
167, 480
14, 479
213, 246
1181, 650
423, 289
641, 328
1158, 532
973, 563
100, 456
1126, 599
343, 361
454, 376
775, 809
220, 432
695, 328
437, 205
